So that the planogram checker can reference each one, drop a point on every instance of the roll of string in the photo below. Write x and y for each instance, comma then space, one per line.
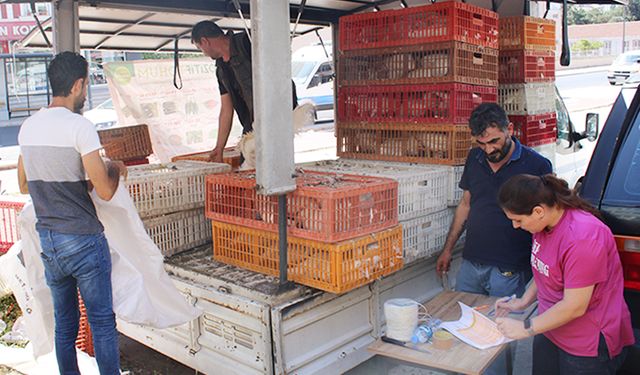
403, 316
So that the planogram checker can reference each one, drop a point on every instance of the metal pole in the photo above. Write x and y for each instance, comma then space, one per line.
624, 23
66, 26
282, 237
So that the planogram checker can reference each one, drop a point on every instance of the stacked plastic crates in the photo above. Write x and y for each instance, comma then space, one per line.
170, 200
342, 229
527, 75
408, 81
422, 200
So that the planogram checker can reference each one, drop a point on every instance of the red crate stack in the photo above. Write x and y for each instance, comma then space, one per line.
409, 79
526, 76
10, 207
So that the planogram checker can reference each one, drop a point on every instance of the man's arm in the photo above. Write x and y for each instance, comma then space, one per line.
225, 121
104, 176
455, 231
22, 177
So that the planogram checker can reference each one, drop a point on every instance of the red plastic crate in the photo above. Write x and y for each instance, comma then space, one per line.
326, 207
410, 143
535, 130
9, 210
126, 143
524, 32
130, 163
440, 22
441, 62
525, 66
438, 103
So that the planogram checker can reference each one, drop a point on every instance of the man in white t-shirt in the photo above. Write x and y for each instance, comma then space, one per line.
58, 149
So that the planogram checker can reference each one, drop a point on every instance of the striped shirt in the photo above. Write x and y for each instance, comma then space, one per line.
52, 143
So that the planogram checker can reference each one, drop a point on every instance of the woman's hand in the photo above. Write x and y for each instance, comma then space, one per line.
506, 305
511, 328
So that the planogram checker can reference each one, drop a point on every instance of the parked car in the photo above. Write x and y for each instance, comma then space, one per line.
612, 185
623, 66
313, 74
103, 116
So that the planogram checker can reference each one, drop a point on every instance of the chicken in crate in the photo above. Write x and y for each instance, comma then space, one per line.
327, 207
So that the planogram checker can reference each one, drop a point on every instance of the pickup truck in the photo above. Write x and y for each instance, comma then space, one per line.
612, 184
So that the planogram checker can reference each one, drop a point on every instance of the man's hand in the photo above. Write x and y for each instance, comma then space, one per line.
511, 328
117, 168
216, 155
444, 262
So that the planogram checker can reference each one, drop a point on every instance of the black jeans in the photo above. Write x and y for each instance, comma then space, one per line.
548, 359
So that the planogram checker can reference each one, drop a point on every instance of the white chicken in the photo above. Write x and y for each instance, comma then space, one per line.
303, 116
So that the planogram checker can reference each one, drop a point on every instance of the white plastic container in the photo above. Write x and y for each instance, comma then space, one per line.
421, 189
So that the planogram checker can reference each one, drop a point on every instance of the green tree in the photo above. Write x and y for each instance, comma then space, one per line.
586, 45
633, 11
577, 15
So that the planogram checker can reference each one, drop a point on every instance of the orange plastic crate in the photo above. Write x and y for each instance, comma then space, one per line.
419, 64
9, 210
440, 22
126, 143
336, 268
410, 143
524, 32
326, 207
230, 156
84, 341
443, 103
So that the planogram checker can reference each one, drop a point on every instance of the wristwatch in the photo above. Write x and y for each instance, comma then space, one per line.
528, 328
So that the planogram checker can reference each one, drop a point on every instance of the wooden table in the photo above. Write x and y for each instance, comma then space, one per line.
461, 357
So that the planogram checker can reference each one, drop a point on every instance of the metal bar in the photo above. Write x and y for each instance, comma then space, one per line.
272, 96
282, 237
122, 29
66, 36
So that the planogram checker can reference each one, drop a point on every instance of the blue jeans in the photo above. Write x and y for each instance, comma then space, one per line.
73, 262
484, 279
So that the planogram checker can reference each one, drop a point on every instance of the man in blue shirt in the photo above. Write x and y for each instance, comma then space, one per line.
496, 256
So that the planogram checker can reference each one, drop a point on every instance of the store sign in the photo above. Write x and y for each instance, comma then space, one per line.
180, 121
15, 30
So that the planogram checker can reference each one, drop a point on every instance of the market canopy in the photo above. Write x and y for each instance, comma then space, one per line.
153, 25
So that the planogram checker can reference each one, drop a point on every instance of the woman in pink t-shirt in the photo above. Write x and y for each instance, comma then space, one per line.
577, 281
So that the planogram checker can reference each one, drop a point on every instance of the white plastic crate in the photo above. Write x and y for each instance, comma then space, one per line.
421, 189
158, 189
527, 98
454, 192
425, 236
179, 231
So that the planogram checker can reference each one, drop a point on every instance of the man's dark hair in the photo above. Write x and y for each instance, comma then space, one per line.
64, 70
486, 115
205, 29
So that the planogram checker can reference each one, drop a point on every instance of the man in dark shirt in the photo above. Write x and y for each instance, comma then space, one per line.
496, 256
232, 53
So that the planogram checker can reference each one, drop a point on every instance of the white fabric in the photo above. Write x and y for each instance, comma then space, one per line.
22, 359
143, 293
59, 127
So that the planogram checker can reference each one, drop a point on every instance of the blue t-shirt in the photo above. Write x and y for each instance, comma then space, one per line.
491, 238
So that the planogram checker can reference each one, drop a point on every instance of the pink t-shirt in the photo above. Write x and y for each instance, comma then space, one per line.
578, 252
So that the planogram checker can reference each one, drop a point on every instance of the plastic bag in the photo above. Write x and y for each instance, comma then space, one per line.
143, 293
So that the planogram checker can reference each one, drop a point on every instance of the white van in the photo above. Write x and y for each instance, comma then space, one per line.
312, 72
